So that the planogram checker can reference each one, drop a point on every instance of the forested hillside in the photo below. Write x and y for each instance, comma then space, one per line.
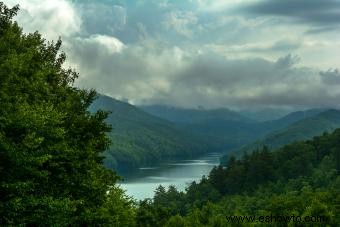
289, 119
301, 179
139, 138
264, 114
191, 116
226, 127
304, 129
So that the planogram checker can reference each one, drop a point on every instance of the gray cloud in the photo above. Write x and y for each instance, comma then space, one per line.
133, 72
249, 82
191, 53
279, 46
287, 61
318, 12
331, 77
315, 31
148, 75
285, 45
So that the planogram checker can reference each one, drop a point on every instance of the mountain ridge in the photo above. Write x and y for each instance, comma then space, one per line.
304, 129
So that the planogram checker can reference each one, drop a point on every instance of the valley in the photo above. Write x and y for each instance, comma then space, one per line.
145, 135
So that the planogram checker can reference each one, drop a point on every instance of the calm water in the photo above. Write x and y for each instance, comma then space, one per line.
143, 183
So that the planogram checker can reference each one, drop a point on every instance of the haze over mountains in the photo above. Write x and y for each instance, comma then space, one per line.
145, 134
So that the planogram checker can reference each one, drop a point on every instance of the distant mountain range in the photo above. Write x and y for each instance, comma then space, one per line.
147, 134
194, 116
303, 129
265, 114
231, 128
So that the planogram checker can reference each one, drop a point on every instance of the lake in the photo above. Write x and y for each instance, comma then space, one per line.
142, 183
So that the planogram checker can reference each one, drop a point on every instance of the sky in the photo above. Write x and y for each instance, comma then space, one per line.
189, 53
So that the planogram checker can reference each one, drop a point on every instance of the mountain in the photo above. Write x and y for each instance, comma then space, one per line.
265, 114
193, 116
228, 128
291, 118
139, 138
300, 130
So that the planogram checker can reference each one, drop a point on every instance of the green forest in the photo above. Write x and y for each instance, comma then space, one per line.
52, 151
299, 179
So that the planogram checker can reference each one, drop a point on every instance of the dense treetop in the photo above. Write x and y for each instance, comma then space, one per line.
51, 146
300, 179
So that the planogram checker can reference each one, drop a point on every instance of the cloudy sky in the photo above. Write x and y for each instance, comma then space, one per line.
217, 53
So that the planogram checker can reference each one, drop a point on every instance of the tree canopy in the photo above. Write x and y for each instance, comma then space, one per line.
300, 179
51, 146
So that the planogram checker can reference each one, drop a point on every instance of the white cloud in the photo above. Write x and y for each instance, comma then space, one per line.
134, 72
52, 18
107, 43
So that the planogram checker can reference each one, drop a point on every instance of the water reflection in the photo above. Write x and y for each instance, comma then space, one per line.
143, 183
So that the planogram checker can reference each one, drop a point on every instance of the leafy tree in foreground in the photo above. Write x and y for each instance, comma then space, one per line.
51, 169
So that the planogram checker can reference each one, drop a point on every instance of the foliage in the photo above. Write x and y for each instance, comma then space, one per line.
51, 146
300, 179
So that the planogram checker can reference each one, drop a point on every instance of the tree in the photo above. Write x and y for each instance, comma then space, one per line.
51, 146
